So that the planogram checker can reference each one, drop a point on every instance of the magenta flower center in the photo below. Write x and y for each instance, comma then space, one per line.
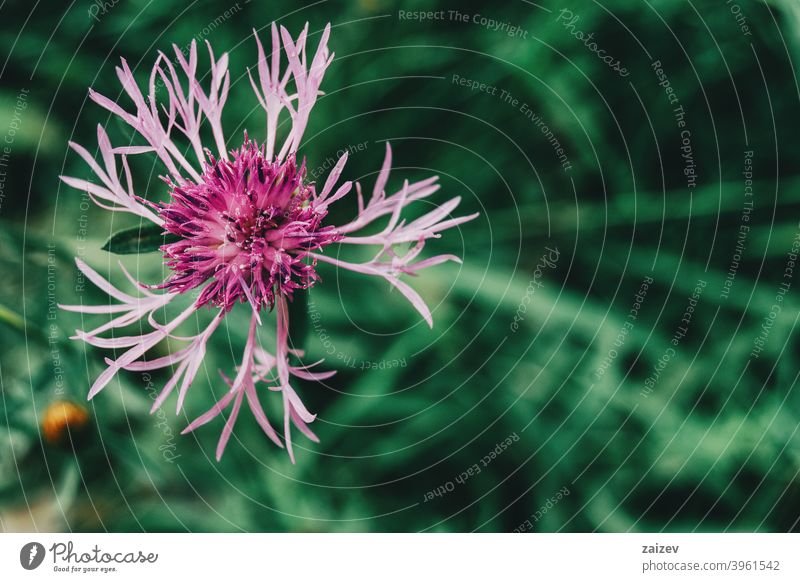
246, 227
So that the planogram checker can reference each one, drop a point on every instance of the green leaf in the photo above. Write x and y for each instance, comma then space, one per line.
139, 239
11, 319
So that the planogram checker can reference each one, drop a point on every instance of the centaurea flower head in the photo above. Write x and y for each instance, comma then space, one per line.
245, 226
245, 230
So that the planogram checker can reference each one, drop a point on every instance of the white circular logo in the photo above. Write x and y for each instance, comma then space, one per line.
31, 555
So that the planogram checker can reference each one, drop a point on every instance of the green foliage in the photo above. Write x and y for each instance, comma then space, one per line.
713, 445
146, 238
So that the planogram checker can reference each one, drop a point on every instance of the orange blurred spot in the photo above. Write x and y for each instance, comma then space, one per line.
62, 417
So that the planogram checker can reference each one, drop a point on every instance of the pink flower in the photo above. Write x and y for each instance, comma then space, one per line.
246, 224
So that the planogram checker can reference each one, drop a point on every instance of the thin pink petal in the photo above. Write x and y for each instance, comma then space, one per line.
228, 429
211, 414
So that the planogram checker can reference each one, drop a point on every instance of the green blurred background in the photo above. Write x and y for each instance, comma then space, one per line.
610, 429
